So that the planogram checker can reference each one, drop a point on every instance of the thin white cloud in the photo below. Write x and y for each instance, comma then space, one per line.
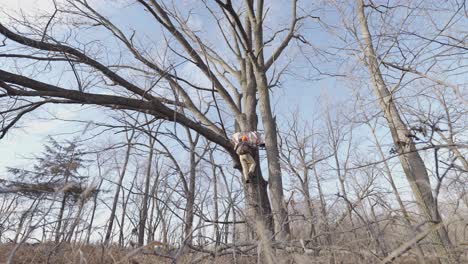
28, 7
34, 7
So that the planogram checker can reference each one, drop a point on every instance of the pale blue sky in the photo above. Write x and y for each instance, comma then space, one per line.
294, 93
301, 88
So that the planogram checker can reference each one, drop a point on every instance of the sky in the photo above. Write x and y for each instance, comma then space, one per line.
293, 94
27, 140
302, 88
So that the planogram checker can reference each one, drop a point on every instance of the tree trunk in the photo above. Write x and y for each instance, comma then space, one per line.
19, 229
58, 232
215, 201
153, 223
256, 194
310, 211
144, 206
93, 213
406, 216
280, 213
411, 161
91, 221
323, 214
77, 219
117, 191
190, 195
125, 201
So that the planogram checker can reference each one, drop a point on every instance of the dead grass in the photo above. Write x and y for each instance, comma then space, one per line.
95, 254
65, 254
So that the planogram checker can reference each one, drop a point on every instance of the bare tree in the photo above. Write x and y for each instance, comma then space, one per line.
147, 182
301, 153
410, 159
160, 93
122, 172
243, 31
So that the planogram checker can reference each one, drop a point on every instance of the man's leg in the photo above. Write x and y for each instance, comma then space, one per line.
251, 164
245, 167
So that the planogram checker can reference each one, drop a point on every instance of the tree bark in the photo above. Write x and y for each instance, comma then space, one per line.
125, 201
215, 201
93, 214
280, 213
411, 161
256, 194
76, 221
191, 190
144, 206
58, 230
153, 222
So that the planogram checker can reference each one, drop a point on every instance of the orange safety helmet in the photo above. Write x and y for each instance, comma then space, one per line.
245, 138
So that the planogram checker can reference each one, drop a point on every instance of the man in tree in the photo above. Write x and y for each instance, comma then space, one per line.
240, 83
246, 153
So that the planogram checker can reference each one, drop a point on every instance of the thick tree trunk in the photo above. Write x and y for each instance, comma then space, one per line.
256, 194
280, 213
388, 172
411, 161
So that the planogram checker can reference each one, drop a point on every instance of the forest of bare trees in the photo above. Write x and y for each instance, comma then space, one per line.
361, 107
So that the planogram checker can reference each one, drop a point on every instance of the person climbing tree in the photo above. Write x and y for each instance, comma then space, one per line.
246, 153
